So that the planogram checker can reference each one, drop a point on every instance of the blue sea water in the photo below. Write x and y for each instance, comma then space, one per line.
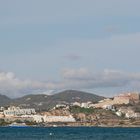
69, 133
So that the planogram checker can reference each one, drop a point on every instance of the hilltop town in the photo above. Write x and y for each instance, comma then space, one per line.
122, 110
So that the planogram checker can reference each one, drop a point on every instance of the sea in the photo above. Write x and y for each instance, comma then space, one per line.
69, 133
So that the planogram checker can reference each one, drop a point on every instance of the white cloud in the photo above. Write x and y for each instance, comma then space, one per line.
12, 86
84, 79
81, 78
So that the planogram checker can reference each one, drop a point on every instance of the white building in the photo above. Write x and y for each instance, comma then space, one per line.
76, 104
37, 118
132, 115
85, 105
59, 119
60, 105
109, 107
128, 113
2, 108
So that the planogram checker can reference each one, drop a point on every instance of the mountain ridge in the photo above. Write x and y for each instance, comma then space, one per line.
43, 101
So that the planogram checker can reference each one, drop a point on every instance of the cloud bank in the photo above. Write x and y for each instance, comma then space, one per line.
81, 78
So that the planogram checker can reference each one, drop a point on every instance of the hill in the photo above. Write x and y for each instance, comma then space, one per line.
74, 95
4, 100
44, 102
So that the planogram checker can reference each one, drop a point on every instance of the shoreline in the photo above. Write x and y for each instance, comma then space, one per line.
68, 126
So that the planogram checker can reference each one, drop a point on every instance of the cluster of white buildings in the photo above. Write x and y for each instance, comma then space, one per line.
13, 113
16, 111
84, 104
50, 119
126, 98
109, 104
128, 113
69, 118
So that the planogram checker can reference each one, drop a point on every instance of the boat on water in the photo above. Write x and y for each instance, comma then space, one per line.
18, 125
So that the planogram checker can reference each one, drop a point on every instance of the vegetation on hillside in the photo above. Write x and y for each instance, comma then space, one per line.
76, 109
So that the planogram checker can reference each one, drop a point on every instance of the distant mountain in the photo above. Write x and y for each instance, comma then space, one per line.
74, 95
39, 102
44, 102
4, 100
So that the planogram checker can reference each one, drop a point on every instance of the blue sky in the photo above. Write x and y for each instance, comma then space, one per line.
90, 45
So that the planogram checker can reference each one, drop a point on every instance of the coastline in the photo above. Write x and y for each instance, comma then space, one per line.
77, 124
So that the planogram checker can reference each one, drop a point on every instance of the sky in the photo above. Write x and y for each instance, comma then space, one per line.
90, 45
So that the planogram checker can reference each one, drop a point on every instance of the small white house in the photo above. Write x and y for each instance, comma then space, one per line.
108, 107
38, 118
